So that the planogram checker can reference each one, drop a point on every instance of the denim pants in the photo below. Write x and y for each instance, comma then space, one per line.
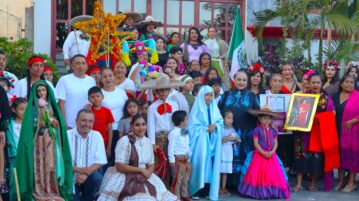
88, 190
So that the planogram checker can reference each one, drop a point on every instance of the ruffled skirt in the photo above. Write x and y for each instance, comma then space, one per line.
264, 178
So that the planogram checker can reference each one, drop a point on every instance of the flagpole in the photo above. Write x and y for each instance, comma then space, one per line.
17, 185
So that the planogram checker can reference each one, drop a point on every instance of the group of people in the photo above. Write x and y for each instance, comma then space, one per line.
167, 130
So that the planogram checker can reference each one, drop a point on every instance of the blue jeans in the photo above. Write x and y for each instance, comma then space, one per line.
88, 190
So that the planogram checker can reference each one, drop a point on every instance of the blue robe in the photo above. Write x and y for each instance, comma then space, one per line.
205, 147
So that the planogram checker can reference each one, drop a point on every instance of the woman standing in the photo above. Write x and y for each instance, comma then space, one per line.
331, 78
161, 50
290, 84
132, 176
35, 72
255, 76
239, 100
218, 49
114, 100
306, 161
347, 118
193, 47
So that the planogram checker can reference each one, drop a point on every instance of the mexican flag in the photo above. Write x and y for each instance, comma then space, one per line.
236, 45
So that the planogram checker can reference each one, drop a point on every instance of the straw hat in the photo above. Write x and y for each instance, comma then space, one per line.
80, 18
149, 20
162, 82
264, 111
135, 15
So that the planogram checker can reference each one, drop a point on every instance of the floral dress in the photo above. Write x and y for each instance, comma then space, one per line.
306, 161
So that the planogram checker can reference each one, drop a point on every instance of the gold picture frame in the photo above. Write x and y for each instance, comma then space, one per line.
301, 112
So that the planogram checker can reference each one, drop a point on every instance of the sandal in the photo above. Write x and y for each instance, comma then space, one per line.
313, 188
297, 188
339, 186
348, 188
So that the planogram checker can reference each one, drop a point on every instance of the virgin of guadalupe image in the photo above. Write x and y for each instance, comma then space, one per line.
43, 161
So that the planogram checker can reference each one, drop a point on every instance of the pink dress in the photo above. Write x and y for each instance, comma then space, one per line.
264, 178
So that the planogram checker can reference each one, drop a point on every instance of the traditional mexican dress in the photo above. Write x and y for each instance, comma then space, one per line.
306, 161
43, 161
239, 101
349, 139
114, 181
264, 178
205, 147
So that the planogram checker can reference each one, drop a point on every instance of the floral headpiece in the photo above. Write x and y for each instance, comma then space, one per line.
9, 78
256, 67
309, 73
139, 47
331, 63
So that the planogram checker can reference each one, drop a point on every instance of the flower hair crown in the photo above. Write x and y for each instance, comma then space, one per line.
256, 67
331, 63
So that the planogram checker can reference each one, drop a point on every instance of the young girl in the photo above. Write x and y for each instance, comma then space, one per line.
143, 108
130, 109
194, 66
263, 175
205, 133
229, 137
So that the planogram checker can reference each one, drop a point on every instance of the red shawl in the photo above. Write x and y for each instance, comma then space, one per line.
324, 138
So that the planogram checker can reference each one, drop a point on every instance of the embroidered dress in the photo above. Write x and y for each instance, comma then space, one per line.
306, 161
264, 178
114, 181
239, 101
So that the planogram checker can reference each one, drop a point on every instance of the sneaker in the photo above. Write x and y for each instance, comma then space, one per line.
195, 197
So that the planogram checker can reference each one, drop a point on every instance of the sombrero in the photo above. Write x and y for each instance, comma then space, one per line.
135, 15
149, 20
80, 18
264, 111
162, 82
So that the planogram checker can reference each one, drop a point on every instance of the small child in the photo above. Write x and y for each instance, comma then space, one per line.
48, 73
263, 175
103, 117
216, 85
196, 89
95, 72
143, 108
178, 155
196, 76
130, 109
187, 89
194, 66
229, 136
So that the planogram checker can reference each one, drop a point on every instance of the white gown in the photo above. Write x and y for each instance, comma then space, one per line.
114, 181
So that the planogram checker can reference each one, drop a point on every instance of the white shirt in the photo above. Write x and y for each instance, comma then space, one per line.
157, 122
177, 144
213, 47
115, 101
73, 91
17, 129
21, 88
71, 48
180, 99
86, 151
13, 76
127, 84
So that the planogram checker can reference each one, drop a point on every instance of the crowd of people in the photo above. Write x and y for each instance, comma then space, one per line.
163, 125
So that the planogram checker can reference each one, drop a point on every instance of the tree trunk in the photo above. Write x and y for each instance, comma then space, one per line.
322, 27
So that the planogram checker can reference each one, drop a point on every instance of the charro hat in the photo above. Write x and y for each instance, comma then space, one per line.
149, 20
162, 82
135, 15
264, 111
80, 18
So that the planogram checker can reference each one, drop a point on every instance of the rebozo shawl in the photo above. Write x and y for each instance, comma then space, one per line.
205, 147
25, 160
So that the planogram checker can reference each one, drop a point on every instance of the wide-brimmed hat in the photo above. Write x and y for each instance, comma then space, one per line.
264, 111
135, 15
149, 20
162, 82
80, 18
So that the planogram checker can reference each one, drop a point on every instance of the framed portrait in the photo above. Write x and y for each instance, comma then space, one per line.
278, 103
301, 112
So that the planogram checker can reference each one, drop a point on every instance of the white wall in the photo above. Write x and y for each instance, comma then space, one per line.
42, 26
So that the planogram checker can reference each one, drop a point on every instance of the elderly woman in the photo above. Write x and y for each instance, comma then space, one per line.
347, 118
239, 100
309, 159
132, 176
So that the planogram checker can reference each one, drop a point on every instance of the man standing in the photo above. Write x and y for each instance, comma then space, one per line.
88, 156
77, 42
